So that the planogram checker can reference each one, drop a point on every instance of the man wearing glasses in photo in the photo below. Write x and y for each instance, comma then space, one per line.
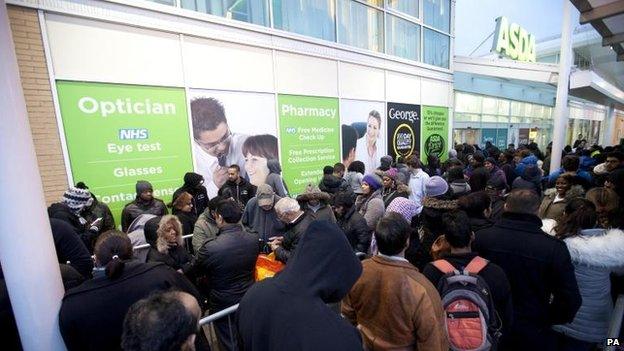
215, 146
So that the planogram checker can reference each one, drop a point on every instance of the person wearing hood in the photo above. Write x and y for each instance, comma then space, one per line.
290, 312
494, 171
71, 209
194, 185
351, 222
237, 188
96, 210
169, 246
330, 183
316, 203
69, 247
457, 182
393, 305
525, 159
478, 207
556, 199
370, 204
91, 314
206, 227
531, 179
144, 203
274, 179
392, 188
260, 217
437, 202
138, 232
385, 163
595, 253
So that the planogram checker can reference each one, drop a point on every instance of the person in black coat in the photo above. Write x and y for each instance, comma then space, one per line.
70, 248
97, 210
459, 235
144, 203
228, 263
351, 222
194, 185
290, 312
237, 188
478, 207
92, 314
539, 269
169, 246
182, 207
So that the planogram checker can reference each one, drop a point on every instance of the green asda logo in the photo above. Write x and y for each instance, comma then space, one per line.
513, 41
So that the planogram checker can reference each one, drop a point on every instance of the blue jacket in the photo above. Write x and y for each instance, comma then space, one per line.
529, 160
595, 254
552, 178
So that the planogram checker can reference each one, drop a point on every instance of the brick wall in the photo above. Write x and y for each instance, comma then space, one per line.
38, 95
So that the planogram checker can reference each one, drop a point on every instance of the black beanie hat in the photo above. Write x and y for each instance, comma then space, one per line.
193, 179
150, 230
143, 186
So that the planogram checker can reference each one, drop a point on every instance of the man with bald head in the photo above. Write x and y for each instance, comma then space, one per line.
162, 321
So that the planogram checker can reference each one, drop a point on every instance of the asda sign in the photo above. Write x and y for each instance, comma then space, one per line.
513, 41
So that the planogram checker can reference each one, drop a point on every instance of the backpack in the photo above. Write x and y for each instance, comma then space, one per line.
472, 323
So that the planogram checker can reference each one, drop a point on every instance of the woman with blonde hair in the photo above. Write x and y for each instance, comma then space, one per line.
169, 247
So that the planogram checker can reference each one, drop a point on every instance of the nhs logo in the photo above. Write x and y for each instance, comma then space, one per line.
130, 134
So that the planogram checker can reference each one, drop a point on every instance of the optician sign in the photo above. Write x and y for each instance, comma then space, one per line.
513, 41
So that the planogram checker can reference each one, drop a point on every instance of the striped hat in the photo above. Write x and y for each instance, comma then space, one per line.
76, 199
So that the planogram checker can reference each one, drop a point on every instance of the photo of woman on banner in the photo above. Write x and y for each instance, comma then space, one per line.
216, 146
222, 122
258, 150
367, 145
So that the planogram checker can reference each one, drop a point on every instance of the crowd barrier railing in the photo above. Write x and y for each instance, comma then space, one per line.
207, 326
146, 246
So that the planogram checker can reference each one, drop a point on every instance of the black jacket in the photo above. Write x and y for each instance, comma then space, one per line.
292, 235
70, 248
478, 223
493, 276
61, 211
100, 210
92, 314
241, 191
289, 311
332, 184
229, 263
138, 207
193, 185
357, 231
176, 257
541, 275
187, 219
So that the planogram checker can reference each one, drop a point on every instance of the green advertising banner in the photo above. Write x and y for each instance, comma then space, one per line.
434, 132
309, 138
118, 134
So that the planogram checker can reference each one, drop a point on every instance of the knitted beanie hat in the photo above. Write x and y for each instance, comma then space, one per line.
76, 199
436, 186
405, 207
373, 180
143, 186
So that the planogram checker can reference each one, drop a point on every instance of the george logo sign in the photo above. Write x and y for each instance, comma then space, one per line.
403, 129
513, 41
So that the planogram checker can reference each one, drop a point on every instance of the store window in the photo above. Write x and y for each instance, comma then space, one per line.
408, 7
437, 14
251, 11
313, 18
467, 103
360, 25
403, 38
437, 48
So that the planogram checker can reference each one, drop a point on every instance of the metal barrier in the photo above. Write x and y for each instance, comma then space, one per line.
615, 326
208, 323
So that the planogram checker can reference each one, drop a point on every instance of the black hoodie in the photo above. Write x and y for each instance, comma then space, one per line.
193, 185
289, 311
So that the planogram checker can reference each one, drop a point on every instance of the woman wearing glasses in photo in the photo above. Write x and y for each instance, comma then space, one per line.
216, 147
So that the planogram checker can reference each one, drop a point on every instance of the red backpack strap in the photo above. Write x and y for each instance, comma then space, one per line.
476, 265
444, 266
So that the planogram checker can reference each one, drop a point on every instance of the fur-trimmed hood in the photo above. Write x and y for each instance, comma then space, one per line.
574, 192
597, 247
440, 204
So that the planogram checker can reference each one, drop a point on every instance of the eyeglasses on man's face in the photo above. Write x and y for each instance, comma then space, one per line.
213, 147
